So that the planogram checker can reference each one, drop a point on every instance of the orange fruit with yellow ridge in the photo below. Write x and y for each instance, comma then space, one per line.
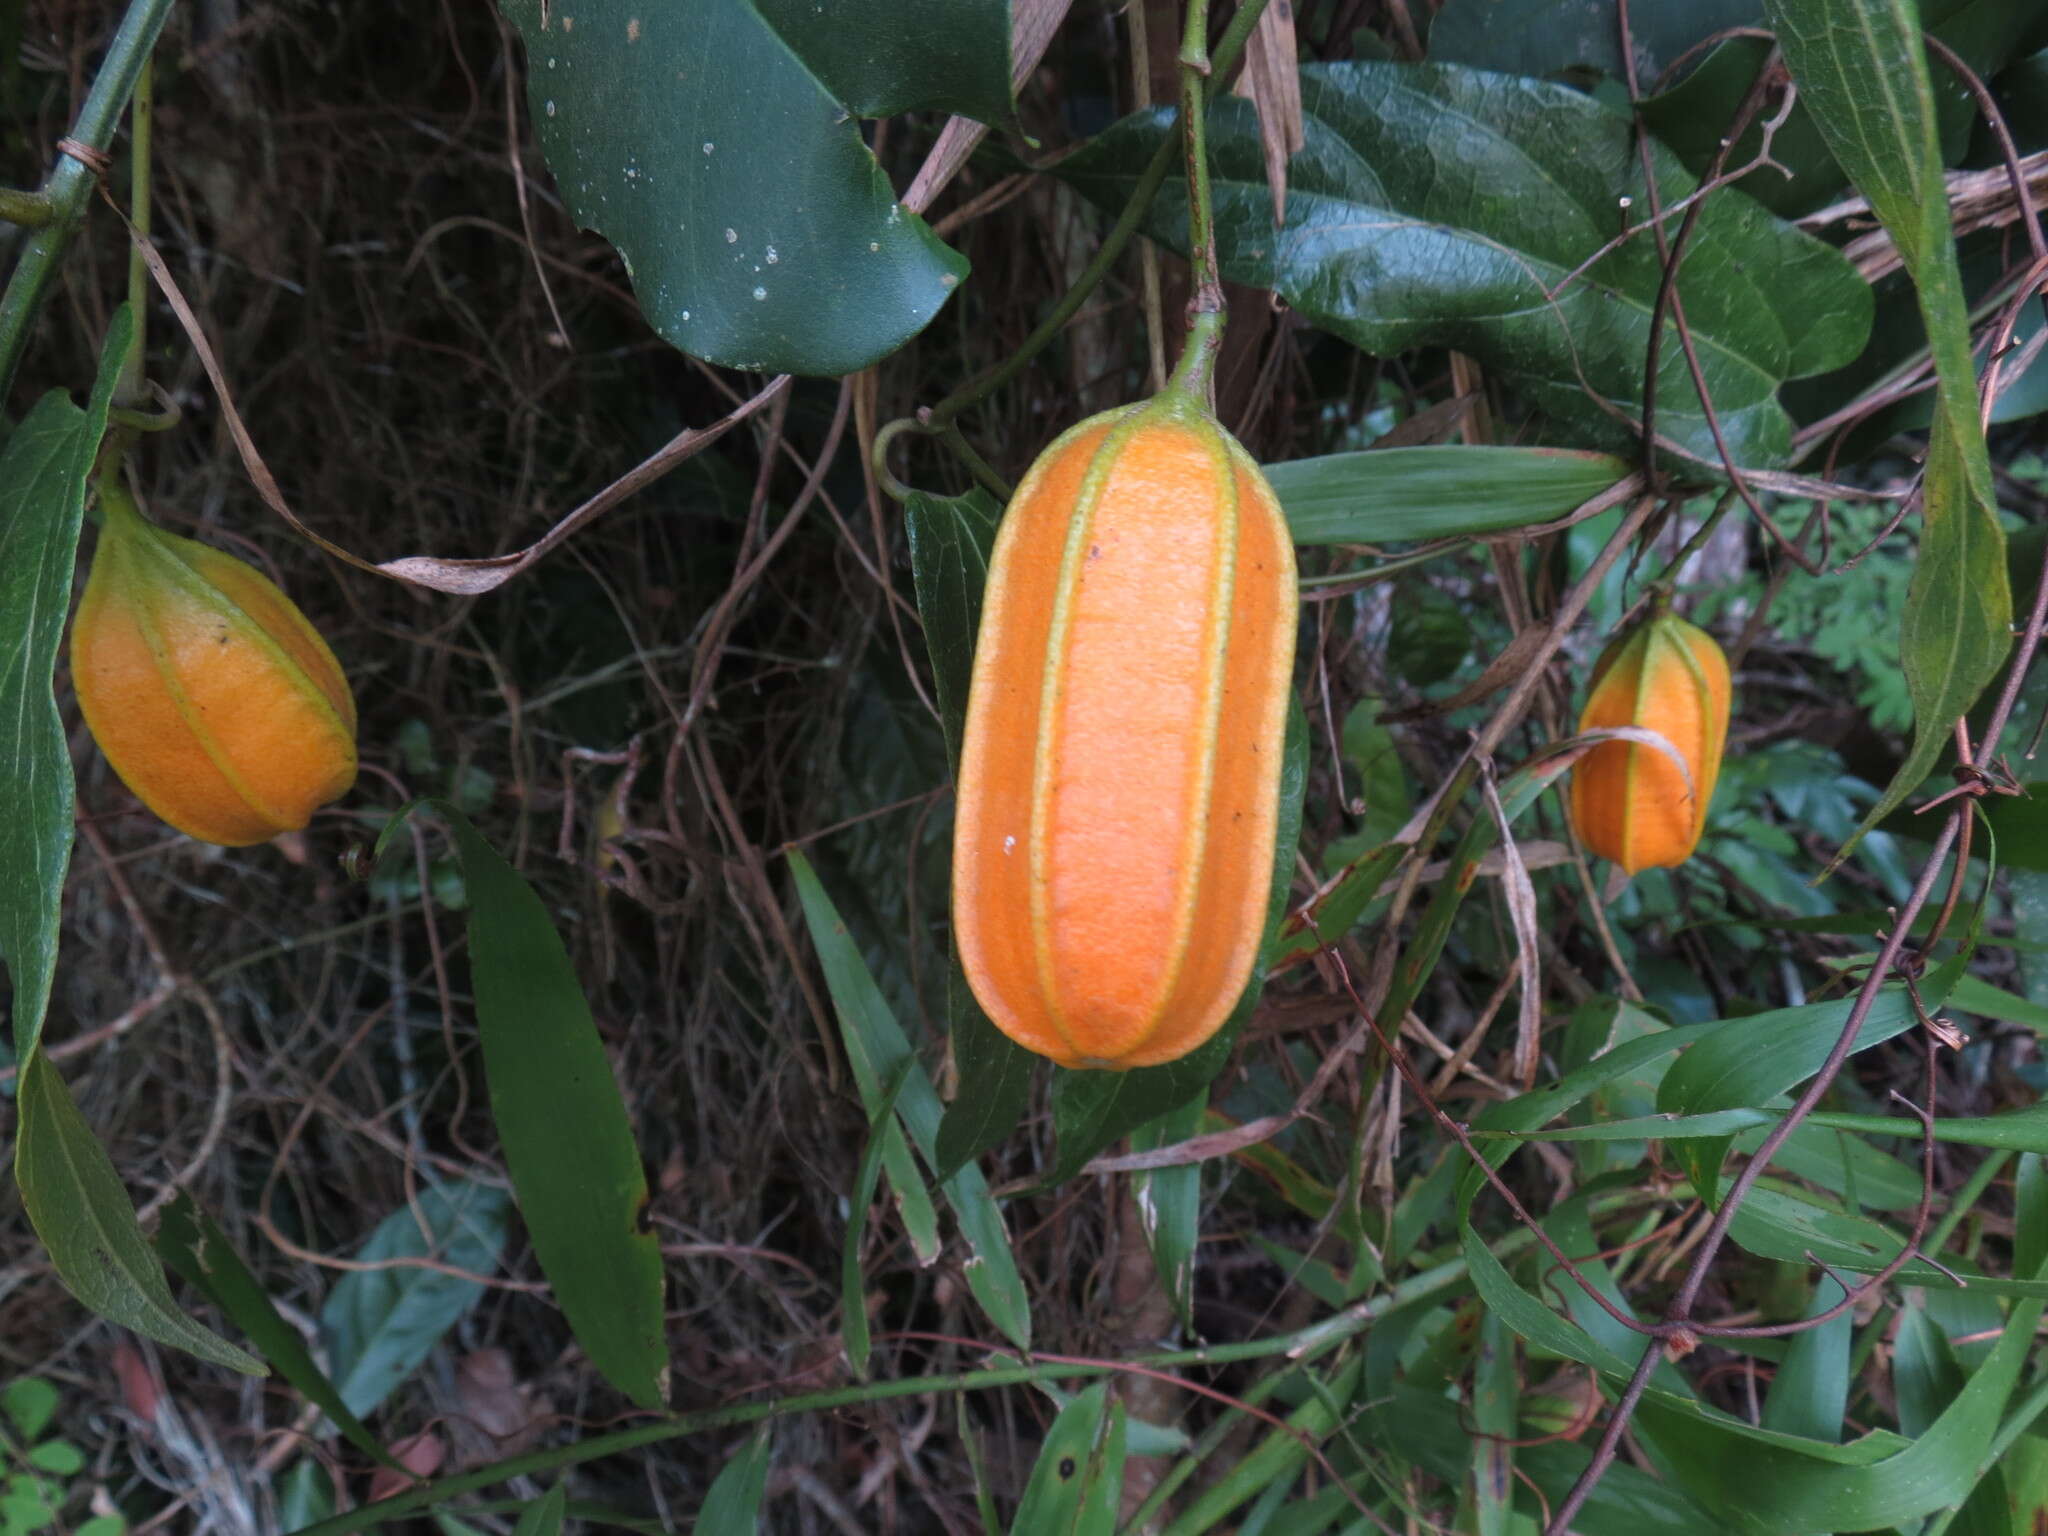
1119, 775
1631, 803
212, 696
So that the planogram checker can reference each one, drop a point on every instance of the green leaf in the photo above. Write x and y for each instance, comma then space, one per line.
734, 1502
1861, 69
1441, 206
1809, 1395
1392, 495
951, 538
756, 225
853, 1326
381, 1323
876, 1047
1169, 1202
28, 1402
1549, 37
995, 1075
1092, 1109
305, 1496
1752, 1060
568, 1140
1496, 1392
59, 1458
1065, 1496
43, 468
543, 1517
199, 1252
76, 1203
882, 57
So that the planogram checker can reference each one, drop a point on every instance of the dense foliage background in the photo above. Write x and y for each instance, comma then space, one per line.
731, 664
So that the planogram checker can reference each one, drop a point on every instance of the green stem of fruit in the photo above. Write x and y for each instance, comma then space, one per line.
71, 181
1666, 581
1196, 373
1225, 54
131, 390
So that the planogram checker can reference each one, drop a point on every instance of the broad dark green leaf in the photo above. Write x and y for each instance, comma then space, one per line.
1092, 1109
876, 1047
543, 1517
381, 1323
305, 1496
1861, 68
1496, 1394
881, 57
734, 1502
1396, 494
567, 1138
1440, 206
75, 1200
757, 228
1169, 1202
1549, 37
200, 1253
43, 469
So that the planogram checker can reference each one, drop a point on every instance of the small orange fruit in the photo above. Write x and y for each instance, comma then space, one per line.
1119, 777
215, 700
1630, 802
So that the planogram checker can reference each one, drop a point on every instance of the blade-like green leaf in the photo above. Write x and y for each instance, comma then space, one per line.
381, 1323
1169, 1202
1810, 1392
853, 1325
1394, 494
734, 1502
1072, 1489
81, 1212
543, 1517
882, 57
567, 1138
43, 469
876, 1046
1861, 68
756, 225
951, 538
1443, 206
201, 1255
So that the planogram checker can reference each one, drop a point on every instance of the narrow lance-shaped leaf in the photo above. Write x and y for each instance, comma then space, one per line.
194, 1246
43, 469
568, 1140
80, 1211
1862, 73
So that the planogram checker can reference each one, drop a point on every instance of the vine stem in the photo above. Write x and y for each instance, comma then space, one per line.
1299, 1347
1228, 47
70, 182
1195, 375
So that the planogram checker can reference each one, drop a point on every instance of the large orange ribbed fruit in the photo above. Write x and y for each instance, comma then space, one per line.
214, 698
1630, 802
1119, 780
